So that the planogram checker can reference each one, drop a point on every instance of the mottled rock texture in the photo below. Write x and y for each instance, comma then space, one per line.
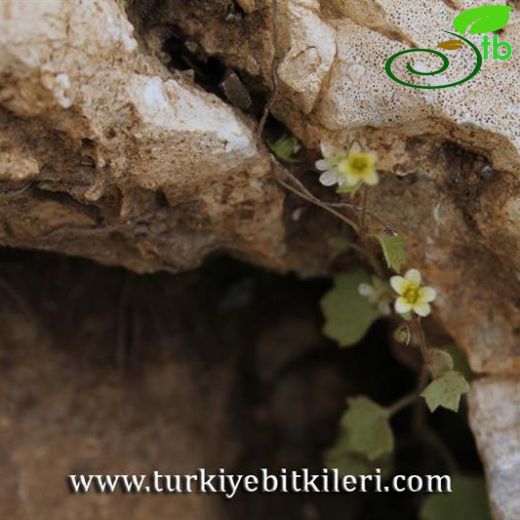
110, 151
99, 377
495, 404
123, 161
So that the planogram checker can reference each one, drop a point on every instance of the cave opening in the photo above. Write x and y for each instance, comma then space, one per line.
224, 366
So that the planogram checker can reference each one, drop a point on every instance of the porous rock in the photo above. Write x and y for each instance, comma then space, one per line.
109, 154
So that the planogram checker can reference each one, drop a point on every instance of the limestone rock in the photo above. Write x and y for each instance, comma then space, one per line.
110, 151
495, 419
117, 138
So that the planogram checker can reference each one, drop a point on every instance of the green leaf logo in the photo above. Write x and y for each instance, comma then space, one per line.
484, 19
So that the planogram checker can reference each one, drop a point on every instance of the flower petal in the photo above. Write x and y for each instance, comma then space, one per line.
365, 289
422, 309
372, 178
322, 164
414, 276
402, 306
399, 284
427, 294
329, 178
351, 179
327, 149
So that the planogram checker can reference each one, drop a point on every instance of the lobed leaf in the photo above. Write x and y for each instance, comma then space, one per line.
349, 463
460, 361
446, 391
348, 315
440, 362
368, 428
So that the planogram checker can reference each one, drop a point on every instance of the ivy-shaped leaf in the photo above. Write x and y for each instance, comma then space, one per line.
468, 500
368, 429
284, 148
348, 315
440, 362
341, 457
446, 391
394, 250
459, 360
349, 463
483, 19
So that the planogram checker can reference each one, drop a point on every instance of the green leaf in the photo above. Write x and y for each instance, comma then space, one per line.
483, 19
446, 391
349, 463
285, 147
368, 429
394, 249
440, 362
468, 500
346, 462
348, 315
459, 360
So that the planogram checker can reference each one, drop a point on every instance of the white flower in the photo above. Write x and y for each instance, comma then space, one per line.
346, 169
411, 295
378, 294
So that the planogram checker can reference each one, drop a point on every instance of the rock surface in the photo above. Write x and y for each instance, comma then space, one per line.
146, 169
110, 151
95, 380
495, 407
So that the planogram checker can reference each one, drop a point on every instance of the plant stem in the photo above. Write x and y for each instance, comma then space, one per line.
364, 251
305, 194
423, 430
364, 204
412, 397
330, 207
402, 403
369, 213
425, 352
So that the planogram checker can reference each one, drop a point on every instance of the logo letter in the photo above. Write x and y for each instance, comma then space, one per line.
485, 47
497, 55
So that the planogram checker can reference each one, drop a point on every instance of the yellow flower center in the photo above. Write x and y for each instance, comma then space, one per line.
359, 165
411, 295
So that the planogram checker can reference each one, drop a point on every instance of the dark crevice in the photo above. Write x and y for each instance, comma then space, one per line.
287, 383
471, 173
182, 53
38, 192
212, 75
185, 55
